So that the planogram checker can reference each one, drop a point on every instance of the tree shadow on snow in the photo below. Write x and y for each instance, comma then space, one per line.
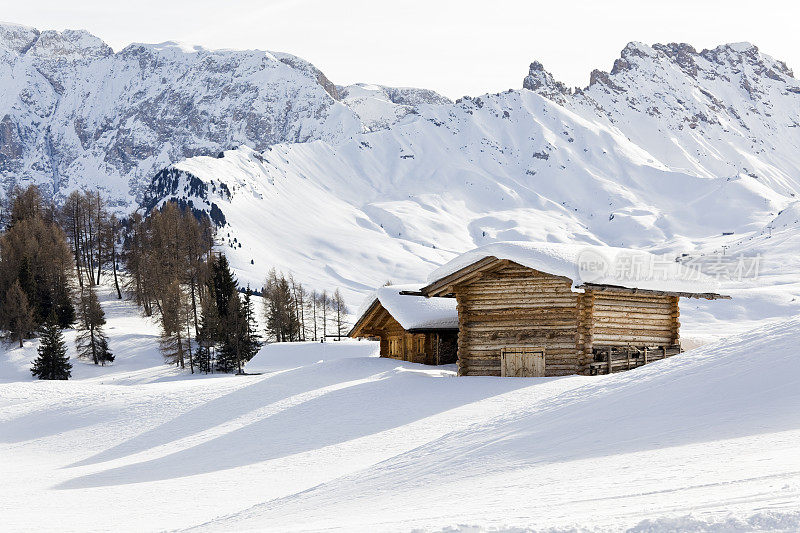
395, 397
238, 403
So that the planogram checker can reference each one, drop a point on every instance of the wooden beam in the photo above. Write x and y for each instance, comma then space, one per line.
440, 286
355, 331
628, 290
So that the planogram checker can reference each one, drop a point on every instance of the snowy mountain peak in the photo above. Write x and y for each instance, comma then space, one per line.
69, 45
17, 38
76, 115
726, 61
637, 49
379, 106
541, 81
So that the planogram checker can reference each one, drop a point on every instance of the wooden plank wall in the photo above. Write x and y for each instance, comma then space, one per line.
387, 329
621, 319
515, 306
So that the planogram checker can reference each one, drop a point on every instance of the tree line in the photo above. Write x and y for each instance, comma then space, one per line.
293, 313
37, 284
52, 260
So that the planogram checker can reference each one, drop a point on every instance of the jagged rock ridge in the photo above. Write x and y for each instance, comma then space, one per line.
668, 150
75, 114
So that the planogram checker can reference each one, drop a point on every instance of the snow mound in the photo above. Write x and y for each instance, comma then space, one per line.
414, 312
704, 441
582, 263
287, 355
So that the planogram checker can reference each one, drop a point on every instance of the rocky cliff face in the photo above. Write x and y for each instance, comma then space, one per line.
354, 185
668, 150
75, 114
717, 112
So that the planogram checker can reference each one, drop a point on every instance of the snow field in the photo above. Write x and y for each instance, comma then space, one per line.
332, 438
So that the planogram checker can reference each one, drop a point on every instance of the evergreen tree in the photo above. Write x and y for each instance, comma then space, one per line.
105, 354
234, 343
63, 307
17, 315
231, 325
53, 361
208, 336
91, 340
224, 283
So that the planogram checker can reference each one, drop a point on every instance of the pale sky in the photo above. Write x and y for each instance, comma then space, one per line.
454, 47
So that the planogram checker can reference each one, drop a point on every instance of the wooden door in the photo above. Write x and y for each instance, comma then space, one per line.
522, 362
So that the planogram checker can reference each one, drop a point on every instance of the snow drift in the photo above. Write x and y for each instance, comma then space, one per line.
287, 355
335, 439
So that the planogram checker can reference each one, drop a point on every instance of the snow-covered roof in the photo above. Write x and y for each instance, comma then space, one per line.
592, 264
413, 312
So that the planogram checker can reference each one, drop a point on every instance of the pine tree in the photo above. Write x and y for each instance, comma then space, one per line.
53, 361
17, 315
209, 335
234, 342
225, 286
63, 307
91, 340
105, 354
232, 326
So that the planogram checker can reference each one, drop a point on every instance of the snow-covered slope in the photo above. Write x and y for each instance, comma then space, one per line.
330, 438
367, 183
75, 114
379, 107
667, 152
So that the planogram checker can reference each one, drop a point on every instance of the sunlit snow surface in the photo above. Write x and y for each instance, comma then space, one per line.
331, 439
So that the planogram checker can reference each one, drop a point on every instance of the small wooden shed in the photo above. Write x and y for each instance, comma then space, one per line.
529, 309
409, 326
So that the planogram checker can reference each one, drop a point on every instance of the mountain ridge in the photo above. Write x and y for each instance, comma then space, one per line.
78, 115
658, 154
667, 150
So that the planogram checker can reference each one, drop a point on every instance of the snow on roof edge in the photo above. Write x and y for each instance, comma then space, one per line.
412, 312
591, 264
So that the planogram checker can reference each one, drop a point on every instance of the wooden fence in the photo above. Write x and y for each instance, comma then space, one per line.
610, 359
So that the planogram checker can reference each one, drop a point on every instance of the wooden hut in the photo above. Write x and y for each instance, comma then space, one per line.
409, 326
547, 310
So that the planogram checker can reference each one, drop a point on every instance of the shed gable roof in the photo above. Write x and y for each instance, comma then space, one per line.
410, 311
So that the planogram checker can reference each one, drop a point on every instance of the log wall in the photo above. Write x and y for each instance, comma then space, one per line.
517, 306
625, 319
414, 347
